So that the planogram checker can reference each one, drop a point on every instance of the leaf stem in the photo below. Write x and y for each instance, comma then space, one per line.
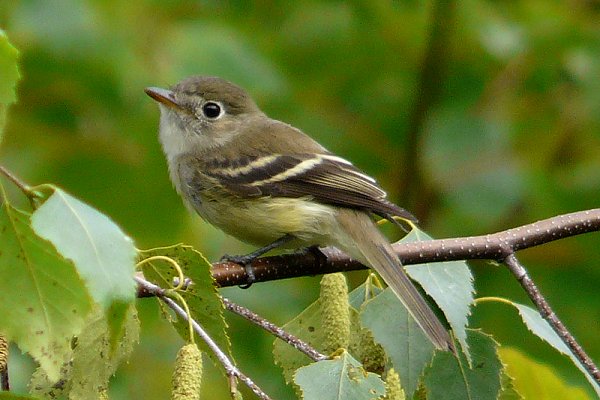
25, 188
492, 299
31, 194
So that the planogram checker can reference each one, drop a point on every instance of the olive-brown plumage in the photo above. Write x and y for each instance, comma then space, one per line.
260, 179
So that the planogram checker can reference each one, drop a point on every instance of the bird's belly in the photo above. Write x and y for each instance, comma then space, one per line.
261, 221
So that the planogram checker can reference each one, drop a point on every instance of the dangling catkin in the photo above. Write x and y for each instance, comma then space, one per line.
103, 394
3, 353
335, 312
371, 354
187, 375
393, 390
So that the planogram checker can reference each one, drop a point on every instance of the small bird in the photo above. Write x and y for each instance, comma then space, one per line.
269, 184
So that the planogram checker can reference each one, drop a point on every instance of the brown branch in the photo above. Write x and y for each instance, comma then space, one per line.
548, 314
270, 327
499, 246
495, 247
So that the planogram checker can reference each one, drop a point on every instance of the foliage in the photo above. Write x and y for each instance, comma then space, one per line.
450, 284
340, 378
506, 132
92, 361
451, 377
535, 380
205, 306
44, 301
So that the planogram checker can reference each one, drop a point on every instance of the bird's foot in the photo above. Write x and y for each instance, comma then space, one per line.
246, 261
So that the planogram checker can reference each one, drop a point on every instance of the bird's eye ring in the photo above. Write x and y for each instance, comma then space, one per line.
211, 110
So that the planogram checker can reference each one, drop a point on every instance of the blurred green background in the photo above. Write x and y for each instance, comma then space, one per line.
475, 115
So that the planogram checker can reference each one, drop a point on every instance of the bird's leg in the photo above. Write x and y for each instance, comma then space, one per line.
246, 260
316, 252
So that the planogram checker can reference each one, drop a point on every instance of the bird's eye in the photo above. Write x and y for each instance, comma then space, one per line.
211, 110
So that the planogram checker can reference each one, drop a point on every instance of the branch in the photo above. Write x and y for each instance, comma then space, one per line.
495, 247
231, 370
548, 314
270, 327
499, 246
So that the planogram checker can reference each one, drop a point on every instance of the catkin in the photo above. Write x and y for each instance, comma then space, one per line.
420, 393
103, 394
393, 390
371, 354
335, 312
3, 353
187, 375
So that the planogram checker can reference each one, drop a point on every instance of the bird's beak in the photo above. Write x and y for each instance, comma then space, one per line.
163, 96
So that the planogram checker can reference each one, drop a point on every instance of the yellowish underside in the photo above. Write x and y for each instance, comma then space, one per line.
263, 220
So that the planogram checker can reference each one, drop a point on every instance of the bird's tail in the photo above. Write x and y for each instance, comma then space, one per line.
367, 244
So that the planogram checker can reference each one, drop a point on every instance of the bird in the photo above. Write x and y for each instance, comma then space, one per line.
269, 184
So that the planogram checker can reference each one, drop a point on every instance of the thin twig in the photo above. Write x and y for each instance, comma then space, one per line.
230, 369
18, 183
548, 314
31, 194
500, 246
270, 327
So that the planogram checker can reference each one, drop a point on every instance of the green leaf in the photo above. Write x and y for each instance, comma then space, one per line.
306, 326
202, 297
43, 301
508, 391
9, 72
535, 380
342, 378
364, 292
362, 344
541, 328
41, 385
103, 255
93, 361
450, 377
450, 284
402, 339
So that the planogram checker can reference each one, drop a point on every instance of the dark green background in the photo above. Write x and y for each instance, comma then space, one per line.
475, 115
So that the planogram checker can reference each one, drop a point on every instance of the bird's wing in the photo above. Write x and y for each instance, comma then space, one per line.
326, 178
